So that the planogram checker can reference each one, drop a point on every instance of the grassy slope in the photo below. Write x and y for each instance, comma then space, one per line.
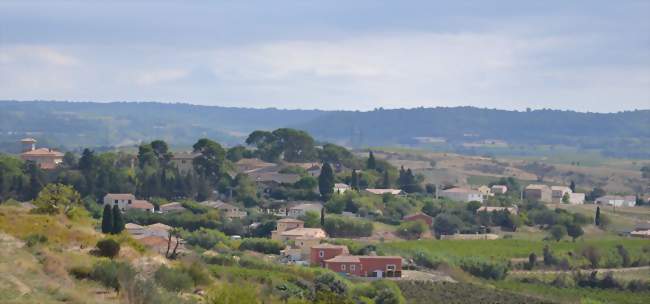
39, 274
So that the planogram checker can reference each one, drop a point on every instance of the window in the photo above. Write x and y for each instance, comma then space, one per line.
390, 267
115, 202
321, 253
353, 267
343, 267
129, 202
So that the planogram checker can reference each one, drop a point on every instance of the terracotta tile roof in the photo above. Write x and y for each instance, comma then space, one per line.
461, 190
119, 196
327, 246
132, 226
305, 232
159, 226
344, 259
536, 187
141, 204
43, 152
419, 214
384, 191
172, 207
289, 220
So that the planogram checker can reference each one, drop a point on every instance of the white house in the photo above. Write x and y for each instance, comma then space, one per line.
127, 201
302, 209
462, 194
340, 188
617, 200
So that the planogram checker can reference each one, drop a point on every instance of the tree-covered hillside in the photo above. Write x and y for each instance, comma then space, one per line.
77, 124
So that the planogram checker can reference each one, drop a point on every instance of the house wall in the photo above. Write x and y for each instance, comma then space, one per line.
328, 253
542, 195
345, 267
123, 204
371, 264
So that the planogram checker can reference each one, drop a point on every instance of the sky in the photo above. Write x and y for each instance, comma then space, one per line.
353, 55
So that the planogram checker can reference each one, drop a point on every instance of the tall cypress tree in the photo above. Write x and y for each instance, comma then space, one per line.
118, 222
386, 180
354, 180
597, 219
326, 181
107, 219
372, 163
573, 186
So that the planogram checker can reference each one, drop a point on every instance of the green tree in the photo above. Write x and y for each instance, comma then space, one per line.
371, 164
108, 248
565, 198
326, 181
57, 198
118, 222
447, 224
354, 180
107, 219
386, 180
572, 186
36, 179
558, 232
411, 230
574, 231
597, 218
645, 171
209, 164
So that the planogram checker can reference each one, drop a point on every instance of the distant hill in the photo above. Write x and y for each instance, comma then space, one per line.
462, 129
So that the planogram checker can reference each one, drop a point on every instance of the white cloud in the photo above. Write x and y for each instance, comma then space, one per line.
23, 54
157, 76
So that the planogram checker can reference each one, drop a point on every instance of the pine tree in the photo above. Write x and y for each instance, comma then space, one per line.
573, 186
118, 222
597, 219
354, 180
107, 219
326, 181
372, 163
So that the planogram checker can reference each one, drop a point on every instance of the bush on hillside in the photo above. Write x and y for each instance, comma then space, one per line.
345, 227
35, 239
108, 273
484, 269
261, 245
204, 238
411, 230
108, 248
173, 279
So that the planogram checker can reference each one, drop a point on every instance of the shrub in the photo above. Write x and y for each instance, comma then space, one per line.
261, 245
108, 248
35, 239
411, 230
345, 227
232, 294
425, 260
558, 232
204, 238
445, 224
108, 272
173, 279
484, 269
592, 254
81, 272
329, 282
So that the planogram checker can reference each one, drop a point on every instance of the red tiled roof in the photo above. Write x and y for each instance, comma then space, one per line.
141, 204
43, 152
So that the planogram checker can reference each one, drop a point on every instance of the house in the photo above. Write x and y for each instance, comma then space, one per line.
419, 217
617, 200
138, 231
499, 189
247, 165
183, 161
485, 190
127, 201
314, 170
228, 210
538, 192
302, 209
44, 158
134, 229
576, 198
284, 225
558, 192
171, 207
384, 191
462, 194
302, 234
340, 188
321, 252
511, 210
642, 230
366, 266
267, 181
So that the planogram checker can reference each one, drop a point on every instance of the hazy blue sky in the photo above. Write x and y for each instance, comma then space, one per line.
586, 55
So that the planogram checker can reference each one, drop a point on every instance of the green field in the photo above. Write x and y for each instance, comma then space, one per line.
574, 295
504, 248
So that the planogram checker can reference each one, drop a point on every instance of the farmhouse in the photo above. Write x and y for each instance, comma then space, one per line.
303, 208
127, 201
366, 266
228, 210
538, 192
419, 217
499, 189
485, 190
184, 161
319, 253
171, 207
617, 200
44, 158
462, 194
341, 188
284, 225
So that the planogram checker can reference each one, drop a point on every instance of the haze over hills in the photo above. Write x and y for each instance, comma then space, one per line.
465, 129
